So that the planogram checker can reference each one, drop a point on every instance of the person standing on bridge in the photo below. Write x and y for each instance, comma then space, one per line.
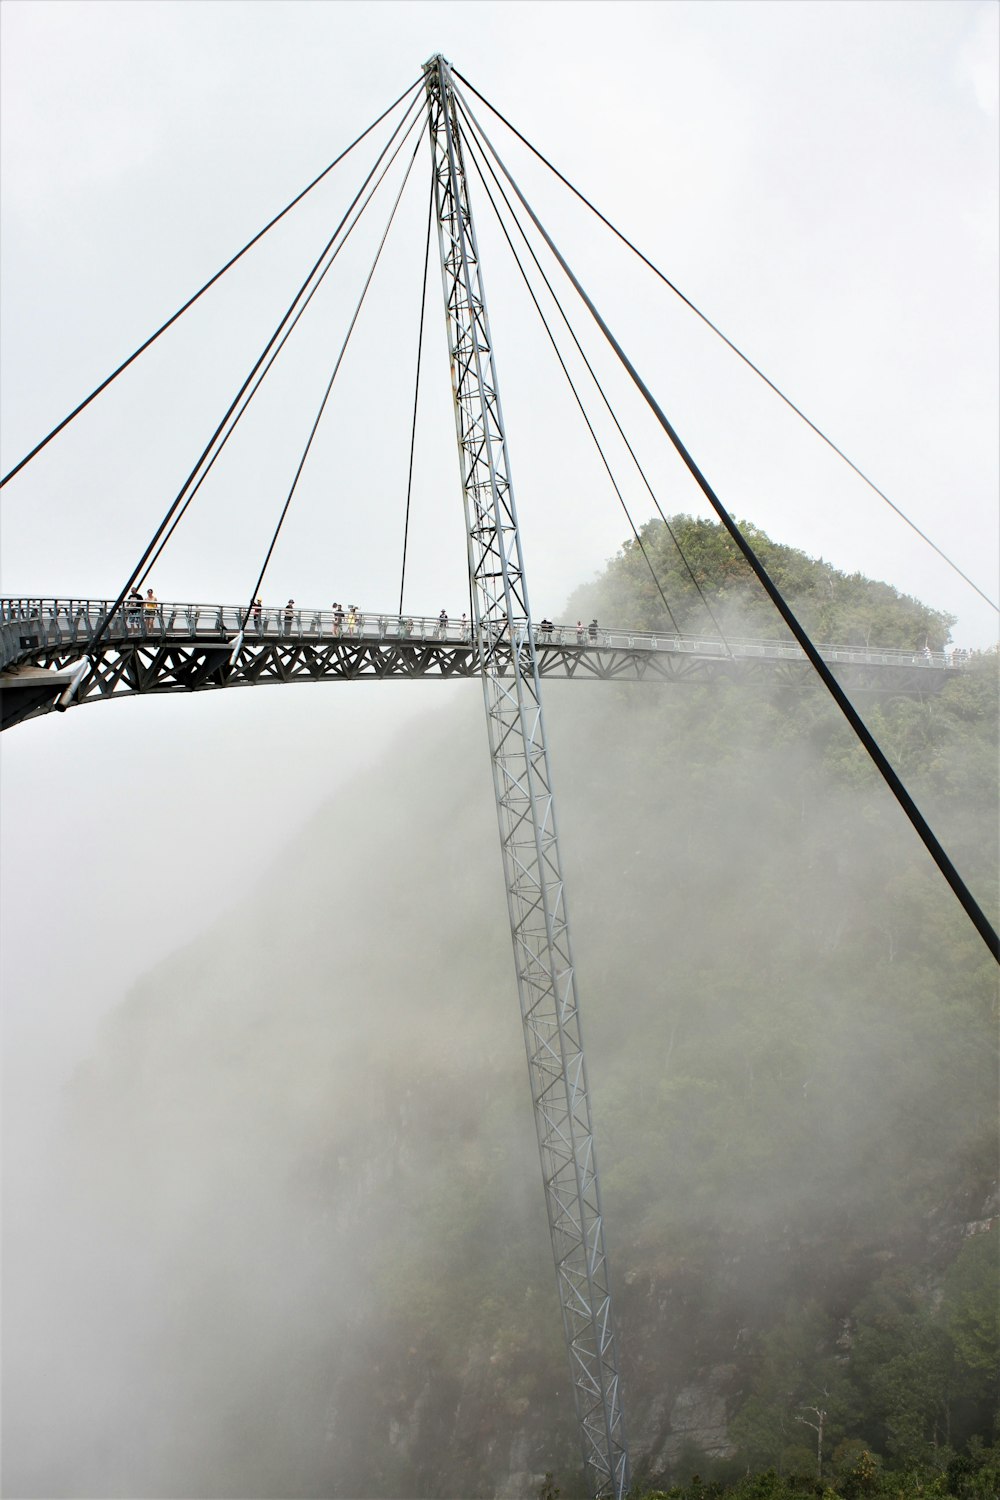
579, 632
592, 629
442, 624
134, 608
258, 611
289, 612
150, 605
338, 619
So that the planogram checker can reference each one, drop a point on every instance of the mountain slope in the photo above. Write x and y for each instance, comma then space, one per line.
309, 1250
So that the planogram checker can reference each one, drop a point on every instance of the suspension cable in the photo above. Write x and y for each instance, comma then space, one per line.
416, 391
329, 388
103, 622
569, 380
211, 282
729, 344
642, 474
972, 908
151, 564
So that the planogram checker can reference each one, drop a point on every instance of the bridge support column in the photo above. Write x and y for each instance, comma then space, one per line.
526, 814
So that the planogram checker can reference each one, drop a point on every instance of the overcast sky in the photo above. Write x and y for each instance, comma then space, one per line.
820, 178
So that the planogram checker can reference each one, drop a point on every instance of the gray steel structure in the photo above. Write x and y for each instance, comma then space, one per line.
508, 663
48, 662
45, 648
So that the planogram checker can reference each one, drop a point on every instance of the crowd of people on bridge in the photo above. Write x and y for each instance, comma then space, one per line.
142, 613
352, 621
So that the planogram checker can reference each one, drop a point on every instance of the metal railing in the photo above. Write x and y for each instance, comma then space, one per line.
28, 625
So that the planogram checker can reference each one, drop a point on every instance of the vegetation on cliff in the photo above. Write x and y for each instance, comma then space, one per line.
705, 580
309, 1139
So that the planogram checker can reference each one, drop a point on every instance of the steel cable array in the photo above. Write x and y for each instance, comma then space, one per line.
920, 825
329, 388
177, 502
481, 150
590, 370
209, 283
274, 354
416, 392
728, 342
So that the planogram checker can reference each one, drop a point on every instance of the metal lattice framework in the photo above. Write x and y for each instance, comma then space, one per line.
48, 661
526, 813
55, 653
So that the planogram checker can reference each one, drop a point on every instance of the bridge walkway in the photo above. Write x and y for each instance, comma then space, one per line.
46, 661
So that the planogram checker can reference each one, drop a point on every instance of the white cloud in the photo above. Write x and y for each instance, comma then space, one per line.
979, 57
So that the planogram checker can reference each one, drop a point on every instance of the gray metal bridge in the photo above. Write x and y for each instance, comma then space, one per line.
58, 652
48, 662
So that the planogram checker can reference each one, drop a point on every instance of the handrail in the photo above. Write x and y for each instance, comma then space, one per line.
28, 624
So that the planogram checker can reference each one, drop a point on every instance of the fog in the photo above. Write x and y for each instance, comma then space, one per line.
263, 1092
291, 1237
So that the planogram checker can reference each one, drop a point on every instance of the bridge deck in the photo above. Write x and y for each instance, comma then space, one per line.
45, 650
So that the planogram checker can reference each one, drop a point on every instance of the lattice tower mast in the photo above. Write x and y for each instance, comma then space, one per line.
526, 813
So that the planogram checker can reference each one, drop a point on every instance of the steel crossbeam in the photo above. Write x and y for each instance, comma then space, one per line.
526, 815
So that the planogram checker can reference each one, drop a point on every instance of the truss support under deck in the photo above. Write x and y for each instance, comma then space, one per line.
526, 813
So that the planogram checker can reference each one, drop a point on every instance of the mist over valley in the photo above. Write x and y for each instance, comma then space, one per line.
292, 1239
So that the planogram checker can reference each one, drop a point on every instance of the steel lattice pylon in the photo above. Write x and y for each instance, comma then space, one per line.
526, 814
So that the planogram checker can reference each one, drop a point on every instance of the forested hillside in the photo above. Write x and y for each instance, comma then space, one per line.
689, 573
309, 1249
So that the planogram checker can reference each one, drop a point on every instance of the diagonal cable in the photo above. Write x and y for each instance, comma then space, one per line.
326, 394
416, 392
920, 825
103, 622
150, 565
729, 344
571, 384
211, 282
642, 474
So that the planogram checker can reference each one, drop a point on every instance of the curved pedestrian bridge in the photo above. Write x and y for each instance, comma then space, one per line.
48, 659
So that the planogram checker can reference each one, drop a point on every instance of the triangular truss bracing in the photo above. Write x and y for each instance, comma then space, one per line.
526, 814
